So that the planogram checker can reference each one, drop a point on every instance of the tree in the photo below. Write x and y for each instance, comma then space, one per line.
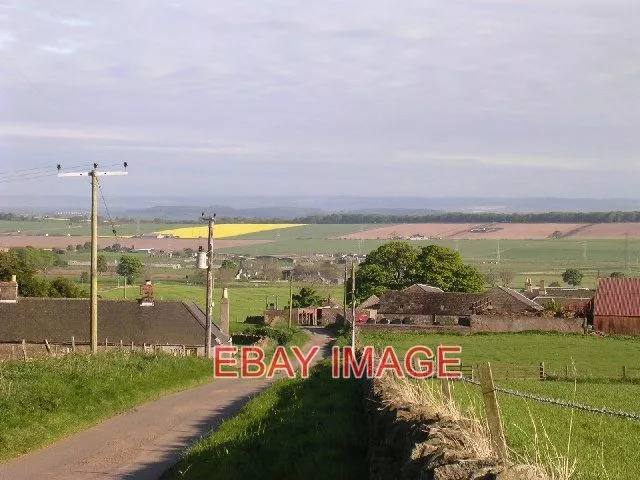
101, 264
65, 288
226, 263
442, 267
617, 275
307, 297
85, 277
506, 276
130, 267
397, 265
572, 276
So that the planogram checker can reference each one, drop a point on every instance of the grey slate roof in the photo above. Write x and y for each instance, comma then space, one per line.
58, 319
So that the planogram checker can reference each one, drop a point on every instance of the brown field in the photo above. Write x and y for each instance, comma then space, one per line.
166, 244
610, 230
502, 231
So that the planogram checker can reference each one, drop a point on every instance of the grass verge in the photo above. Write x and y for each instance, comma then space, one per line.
44, 400
296, 429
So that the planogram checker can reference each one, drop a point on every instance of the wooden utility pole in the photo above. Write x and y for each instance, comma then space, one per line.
290, 298
344, 308
207, 338
94, 174
353, 306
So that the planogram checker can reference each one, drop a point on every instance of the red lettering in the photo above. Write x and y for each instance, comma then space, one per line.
443, 361
219, 361
255, 360
363, 369
335, 362
281, 361
305, 361
389, 361
426, 368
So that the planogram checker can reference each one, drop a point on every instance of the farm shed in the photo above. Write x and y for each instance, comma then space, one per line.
616, 306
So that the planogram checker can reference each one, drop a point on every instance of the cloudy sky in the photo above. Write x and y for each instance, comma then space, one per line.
413, 97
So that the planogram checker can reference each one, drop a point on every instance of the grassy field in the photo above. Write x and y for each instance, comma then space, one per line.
297, 429
537, 259
62, 227
603, 446
43, 400
247, 299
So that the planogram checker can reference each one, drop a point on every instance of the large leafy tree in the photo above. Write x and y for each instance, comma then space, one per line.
572, 276
307, 297
130, 267
101, 265
397, 265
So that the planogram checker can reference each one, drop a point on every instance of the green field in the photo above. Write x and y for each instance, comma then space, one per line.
62, 227
603, 446
296, 429
537, 259
247, 299
46, 399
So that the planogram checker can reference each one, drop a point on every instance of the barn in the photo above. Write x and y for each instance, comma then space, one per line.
616, 306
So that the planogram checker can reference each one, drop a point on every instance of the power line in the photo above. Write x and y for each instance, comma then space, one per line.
106, 207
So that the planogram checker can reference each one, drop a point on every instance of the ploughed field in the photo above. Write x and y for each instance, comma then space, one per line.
506, 231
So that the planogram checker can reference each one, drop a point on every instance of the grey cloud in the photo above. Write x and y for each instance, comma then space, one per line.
502, 84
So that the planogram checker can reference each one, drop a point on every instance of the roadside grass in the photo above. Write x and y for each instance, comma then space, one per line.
602, 446
296, 429
247, 299
43, 400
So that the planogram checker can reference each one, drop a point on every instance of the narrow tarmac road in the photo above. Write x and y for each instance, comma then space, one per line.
142, 443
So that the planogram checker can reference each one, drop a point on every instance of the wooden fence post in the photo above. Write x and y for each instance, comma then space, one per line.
120, 344
47, 346
446, 390
566, 372
624, 372
543, 373
24, 349
13, 352
73, 344
132, 345
492, 410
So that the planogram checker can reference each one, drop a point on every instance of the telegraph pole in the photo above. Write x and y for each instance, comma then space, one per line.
344, 308
290, 298
207, 338
353, 306
94, 174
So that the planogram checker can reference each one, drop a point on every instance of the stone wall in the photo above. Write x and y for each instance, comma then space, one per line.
481, 323
417, 443
491, 323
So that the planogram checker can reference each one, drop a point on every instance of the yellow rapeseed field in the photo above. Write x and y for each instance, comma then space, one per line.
226, 230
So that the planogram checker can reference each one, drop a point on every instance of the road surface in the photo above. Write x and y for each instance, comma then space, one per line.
142, 443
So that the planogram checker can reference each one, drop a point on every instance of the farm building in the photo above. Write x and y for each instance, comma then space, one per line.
571, 298
616, 306
327, 314
166, 323
423, 304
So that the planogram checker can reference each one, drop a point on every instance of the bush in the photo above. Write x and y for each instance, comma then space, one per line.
282, 335
255, 319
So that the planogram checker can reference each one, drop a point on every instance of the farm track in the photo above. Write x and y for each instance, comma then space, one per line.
144, 442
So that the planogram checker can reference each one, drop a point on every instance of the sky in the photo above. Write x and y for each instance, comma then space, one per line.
360, 97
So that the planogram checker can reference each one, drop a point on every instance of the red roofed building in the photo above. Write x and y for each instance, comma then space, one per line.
616, 306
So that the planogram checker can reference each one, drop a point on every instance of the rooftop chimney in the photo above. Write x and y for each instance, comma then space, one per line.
146, 293
9, 291
543, 288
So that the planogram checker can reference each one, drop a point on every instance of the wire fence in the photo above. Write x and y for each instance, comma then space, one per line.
558, 402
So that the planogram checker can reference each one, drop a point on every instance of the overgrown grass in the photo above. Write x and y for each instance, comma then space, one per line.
296, 429
44, 400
